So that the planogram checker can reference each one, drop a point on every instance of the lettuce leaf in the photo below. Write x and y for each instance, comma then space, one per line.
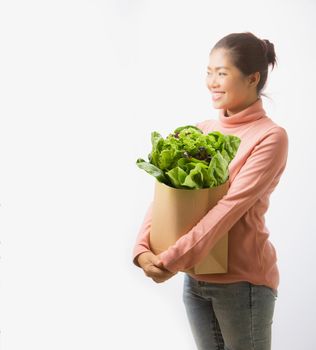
187, 158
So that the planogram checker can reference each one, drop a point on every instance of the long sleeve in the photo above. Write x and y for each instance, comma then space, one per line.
258, 176
142, 240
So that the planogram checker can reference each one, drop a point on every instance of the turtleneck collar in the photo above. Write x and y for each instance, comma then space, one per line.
253, 112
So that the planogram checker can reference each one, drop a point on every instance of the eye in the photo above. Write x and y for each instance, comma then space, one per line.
208, 73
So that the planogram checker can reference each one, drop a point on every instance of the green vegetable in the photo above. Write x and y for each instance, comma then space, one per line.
189, 159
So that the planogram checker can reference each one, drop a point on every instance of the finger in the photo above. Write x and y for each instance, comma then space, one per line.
161, 276
161, 279
157, 262
156, 271
157, 280
153, 271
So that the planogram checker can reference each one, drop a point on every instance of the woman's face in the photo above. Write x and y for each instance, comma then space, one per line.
231, 90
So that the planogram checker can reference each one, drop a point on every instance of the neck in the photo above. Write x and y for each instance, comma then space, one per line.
246, 104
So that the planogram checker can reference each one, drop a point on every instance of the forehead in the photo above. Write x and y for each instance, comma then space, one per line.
219, 59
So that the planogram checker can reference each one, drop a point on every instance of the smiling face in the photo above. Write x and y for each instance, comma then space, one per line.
230, 89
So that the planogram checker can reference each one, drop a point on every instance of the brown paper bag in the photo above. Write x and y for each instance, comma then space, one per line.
177, 211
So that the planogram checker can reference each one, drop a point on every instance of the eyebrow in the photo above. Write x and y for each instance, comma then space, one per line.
216, 68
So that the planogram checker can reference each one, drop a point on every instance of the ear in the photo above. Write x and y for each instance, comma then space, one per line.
254, 79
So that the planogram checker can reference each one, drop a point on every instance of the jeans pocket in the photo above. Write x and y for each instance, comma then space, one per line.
274, 292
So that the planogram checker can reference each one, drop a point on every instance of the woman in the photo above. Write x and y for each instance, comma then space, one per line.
233, 310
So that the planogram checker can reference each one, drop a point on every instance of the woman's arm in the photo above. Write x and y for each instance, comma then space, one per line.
259, 175
142, 240
144, 258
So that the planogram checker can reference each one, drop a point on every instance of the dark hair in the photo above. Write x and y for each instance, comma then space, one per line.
249, 54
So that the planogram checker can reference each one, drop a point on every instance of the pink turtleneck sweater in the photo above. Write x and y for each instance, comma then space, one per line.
253, 175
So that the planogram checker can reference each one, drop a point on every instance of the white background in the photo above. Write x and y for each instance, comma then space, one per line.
83, 84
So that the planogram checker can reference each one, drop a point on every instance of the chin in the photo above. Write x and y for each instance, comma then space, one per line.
219, 105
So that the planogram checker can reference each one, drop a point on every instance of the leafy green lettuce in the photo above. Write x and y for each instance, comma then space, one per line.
189, 159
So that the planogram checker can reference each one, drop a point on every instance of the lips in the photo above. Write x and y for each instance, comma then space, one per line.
217, 95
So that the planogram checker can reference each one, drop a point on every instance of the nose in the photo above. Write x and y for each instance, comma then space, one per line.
211, 81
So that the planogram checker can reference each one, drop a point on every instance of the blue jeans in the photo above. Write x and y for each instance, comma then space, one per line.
234, 316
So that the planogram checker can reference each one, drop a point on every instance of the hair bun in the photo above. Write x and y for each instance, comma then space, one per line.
269, 51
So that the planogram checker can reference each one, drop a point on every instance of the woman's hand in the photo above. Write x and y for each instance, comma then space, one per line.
153, 268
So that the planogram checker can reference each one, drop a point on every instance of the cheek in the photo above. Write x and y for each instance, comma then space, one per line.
232, 85
228, 83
